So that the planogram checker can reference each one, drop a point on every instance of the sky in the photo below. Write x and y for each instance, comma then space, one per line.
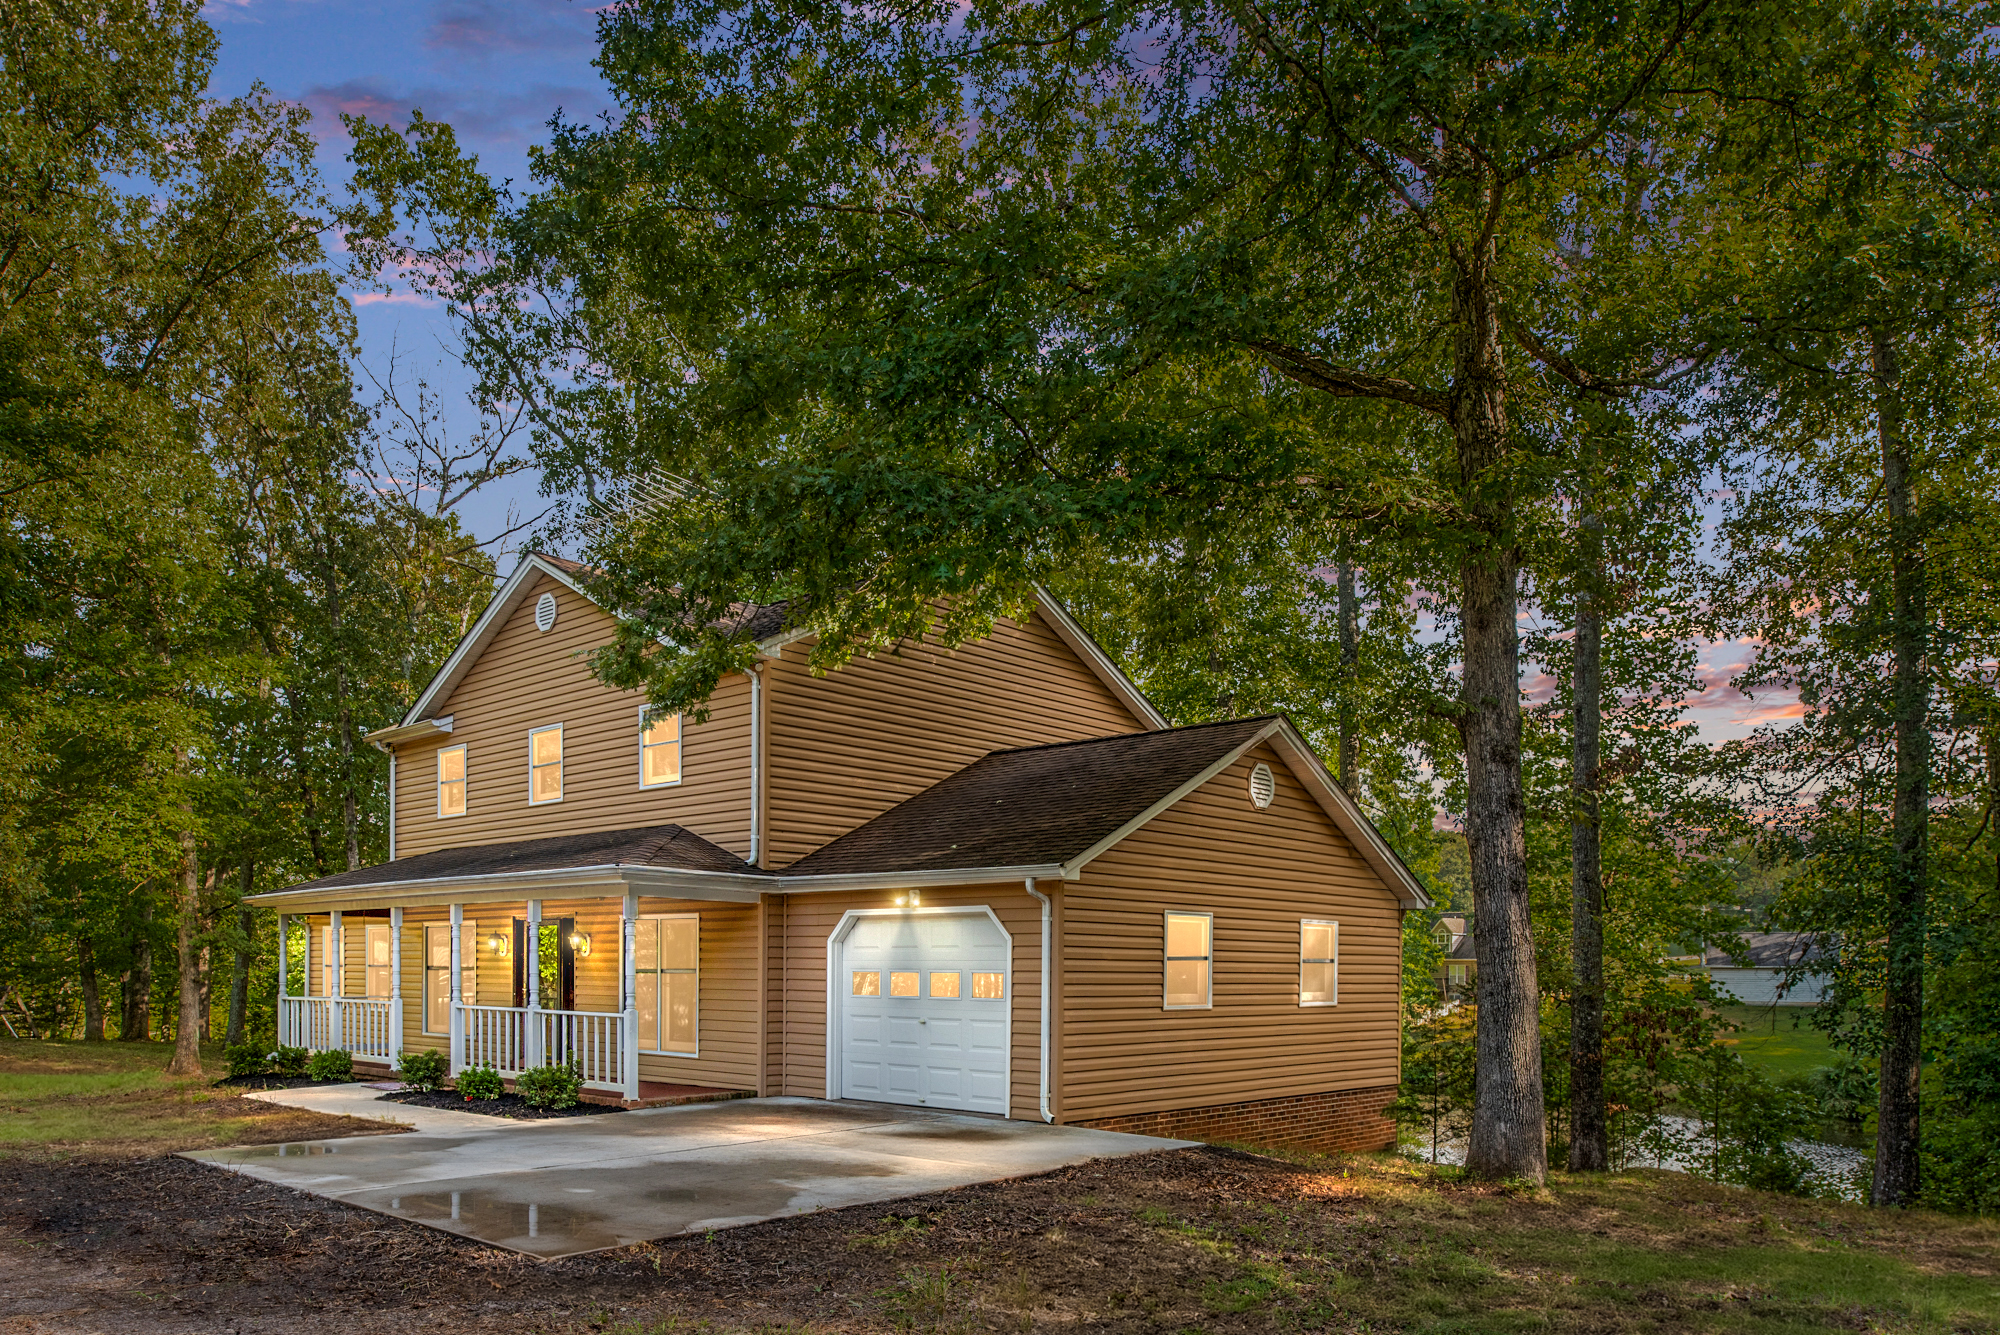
497, 70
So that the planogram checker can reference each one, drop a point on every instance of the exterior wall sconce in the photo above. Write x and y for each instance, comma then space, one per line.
498, 943
580, 943
909, 899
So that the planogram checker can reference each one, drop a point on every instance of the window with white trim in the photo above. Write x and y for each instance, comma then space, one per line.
377, 977
451, 781
666, 960
327, 936
545, 764
1189, 962
437, 973
659, 750
1319, 962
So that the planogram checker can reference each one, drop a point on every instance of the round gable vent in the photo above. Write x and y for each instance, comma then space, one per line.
1263, 786
545, 611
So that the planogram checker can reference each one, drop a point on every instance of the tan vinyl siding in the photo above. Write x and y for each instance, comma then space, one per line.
527, 679
727, 1017
1259, 873
843, 748
801, 924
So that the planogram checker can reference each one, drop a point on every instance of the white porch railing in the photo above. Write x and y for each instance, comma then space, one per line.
513, 1039
365, 1026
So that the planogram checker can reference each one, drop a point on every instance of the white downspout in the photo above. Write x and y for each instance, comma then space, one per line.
1048, 972
756, 674
392, 817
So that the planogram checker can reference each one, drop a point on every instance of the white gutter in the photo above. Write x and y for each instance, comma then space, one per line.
1047, 973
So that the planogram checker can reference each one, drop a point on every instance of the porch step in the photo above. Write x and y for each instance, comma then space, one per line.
654, 1094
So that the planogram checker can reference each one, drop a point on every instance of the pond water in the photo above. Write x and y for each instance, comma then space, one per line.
1838, 1170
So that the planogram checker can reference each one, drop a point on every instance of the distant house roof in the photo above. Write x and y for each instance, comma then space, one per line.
1038, 805
1458, 933
1766, 950
667, 846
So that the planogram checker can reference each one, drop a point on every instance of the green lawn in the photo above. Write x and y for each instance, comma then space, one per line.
1778, 1039
69, 1098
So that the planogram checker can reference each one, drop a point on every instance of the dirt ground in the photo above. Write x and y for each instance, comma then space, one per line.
1181, 1241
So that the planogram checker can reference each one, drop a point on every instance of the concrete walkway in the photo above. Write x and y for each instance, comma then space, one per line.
557, 1188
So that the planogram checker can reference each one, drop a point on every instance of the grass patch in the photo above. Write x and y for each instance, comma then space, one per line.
67, 1098
1780, 1040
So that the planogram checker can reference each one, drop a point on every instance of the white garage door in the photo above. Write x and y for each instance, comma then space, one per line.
924, 999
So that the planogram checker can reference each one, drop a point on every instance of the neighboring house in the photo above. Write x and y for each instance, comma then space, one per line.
987, 879
1756, 977
1458, 968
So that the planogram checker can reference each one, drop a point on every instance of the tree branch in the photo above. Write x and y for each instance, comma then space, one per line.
1342, 382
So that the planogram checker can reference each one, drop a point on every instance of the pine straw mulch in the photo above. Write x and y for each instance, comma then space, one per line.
1206, 1240
511, 1106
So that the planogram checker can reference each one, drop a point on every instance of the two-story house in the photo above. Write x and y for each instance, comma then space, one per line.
987, 879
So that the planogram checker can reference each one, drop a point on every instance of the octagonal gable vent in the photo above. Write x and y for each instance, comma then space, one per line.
545, 612
1263, 786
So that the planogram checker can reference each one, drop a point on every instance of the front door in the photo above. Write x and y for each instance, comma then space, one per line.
556, 958
923, 1000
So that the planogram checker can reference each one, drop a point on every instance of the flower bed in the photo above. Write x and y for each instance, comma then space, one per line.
507, 1105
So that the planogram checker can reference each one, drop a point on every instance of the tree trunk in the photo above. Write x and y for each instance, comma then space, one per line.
1509, 1124
1589, 1138
187, 1031
93, 1000
1348, 611
246, 951
135, 1023
1897, 1166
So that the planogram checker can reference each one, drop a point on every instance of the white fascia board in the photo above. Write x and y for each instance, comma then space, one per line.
914, 880
1074, 867
1305, 763
505, 599
607, 879
1084, 647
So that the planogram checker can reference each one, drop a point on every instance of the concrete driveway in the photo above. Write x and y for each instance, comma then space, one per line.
557, 1188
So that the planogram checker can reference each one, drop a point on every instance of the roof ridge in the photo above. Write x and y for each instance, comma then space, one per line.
1128, 736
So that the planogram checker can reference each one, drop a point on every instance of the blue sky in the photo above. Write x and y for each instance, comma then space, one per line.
496, 70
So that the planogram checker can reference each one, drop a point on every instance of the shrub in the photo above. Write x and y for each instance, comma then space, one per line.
550, 1086
333, 1064
246, 1058
481, 1082
289, 1062
425, 1070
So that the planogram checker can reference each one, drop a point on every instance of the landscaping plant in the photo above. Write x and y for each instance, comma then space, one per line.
289, 1062
246, 1058
482, 1083
551, 1086
333, 1064
423, 1069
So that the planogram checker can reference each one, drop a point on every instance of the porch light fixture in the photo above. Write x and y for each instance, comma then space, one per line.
498, 943
908, 900
580, 943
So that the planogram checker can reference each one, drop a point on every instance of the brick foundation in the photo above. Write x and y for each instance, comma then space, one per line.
1338, 1120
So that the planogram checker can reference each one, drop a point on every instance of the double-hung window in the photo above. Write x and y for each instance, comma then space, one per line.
545, 764
437, 973
378, 977
667, 963
659, 749
1319, 962
451, 780
1190, 957
329, 966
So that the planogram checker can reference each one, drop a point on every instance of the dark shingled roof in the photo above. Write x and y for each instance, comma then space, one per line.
1036, 806
1766, 950
651, 846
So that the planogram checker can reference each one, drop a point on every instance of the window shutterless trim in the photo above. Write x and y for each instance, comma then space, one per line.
659, 1007
1208, 975
533, 733
1305, 959
463, 782
679, 744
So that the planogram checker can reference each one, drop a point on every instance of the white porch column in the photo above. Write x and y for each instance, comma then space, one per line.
457, 993
628, 969
284, 961
337, 969
395, 986
533, 967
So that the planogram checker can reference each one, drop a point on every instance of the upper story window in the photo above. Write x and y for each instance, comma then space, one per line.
545, 764
659, 750
1319, 962
451, 780
1190, 951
